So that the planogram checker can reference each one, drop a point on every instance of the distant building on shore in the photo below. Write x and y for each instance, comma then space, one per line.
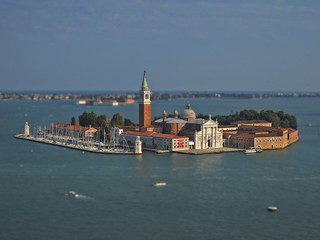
259, 136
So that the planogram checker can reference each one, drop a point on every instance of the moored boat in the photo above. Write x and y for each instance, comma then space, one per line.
252, 150
160, 184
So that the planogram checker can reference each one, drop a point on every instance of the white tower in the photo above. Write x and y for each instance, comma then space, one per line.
137, 147
26, 130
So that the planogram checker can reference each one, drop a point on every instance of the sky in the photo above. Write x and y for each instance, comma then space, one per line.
184, 45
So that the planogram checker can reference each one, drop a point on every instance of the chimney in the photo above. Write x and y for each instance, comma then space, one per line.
164, 114
176, 114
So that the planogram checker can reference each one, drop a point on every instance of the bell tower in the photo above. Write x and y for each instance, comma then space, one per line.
144, 104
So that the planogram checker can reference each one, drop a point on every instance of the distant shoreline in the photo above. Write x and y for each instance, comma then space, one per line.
122, 97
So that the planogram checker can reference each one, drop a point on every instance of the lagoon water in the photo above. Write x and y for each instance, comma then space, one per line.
218, 196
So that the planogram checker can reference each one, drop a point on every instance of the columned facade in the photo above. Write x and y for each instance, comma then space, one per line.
209, 136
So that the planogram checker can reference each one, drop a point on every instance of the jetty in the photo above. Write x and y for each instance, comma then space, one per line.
209, 151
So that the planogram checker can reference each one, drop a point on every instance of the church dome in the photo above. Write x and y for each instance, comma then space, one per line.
188, 113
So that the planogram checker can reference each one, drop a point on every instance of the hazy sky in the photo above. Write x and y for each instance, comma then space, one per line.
183, 45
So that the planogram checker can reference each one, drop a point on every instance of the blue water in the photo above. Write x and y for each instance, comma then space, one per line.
221, 196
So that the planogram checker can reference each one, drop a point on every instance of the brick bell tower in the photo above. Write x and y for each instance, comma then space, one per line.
144, 104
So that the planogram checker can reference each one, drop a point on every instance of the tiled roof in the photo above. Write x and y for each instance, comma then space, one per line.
197, 121
160, 120
153, 134
72, 127
170, 120
175, 120
252, 135
227, 126
250, 121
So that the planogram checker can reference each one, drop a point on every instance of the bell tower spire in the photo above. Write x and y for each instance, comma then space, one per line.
144, 103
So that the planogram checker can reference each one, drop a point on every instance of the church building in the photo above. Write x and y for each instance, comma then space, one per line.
203, 134
173, 133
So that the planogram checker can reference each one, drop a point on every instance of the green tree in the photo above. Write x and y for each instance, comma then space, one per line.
249, 115
285, 123
292, 121
117, 120
86, 119
128, 122
73, 121
101, 121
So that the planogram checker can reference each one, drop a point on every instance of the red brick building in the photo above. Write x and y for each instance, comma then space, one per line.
158, 141
145, 104
260, 137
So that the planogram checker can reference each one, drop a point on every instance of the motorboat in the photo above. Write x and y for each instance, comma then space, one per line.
73, 194
272, 208
252, 150
160, 184
259, 150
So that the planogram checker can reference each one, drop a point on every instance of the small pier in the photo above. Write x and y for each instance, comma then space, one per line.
209, 151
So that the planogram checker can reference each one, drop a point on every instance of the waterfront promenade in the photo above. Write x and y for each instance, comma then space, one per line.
107, 150
209, 151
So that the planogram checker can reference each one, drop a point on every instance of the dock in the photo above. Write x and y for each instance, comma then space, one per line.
209, 151
101, 150
72, 146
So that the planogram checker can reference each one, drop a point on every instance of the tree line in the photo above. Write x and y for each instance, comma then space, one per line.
87, 119
278, 119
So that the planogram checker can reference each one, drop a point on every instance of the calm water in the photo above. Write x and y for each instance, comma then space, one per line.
222, 196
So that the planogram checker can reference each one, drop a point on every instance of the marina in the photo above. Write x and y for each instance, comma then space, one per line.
94, 149
69, 136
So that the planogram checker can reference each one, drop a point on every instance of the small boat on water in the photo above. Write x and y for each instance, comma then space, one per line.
160, 184
252, 150
73, 194
272, 208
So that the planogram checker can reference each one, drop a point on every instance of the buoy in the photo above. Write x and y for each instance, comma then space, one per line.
82, 152
272, 208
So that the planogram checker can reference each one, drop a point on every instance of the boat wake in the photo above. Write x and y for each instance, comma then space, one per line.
72, 194
84, 197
